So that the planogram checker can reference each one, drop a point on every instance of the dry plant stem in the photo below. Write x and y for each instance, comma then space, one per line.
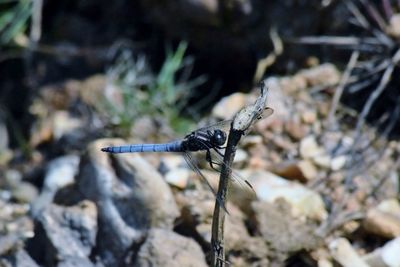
217, 239
240, 124
374, 96
342, 84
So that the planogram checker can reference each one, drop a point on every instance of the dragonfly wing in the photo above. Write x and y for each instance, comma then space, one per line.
190, 161
221, 125
266, 113
236, 178
226, 125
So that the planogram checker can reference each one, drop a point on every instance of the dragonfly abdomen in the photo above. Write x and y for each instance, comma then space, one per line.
167, 147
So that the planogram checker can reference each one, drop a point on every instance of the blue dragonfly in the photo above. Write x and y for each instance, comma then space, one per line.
209, 139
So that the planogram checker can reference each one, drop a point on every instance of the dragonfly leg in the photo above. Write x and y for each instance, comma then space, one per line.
210, 161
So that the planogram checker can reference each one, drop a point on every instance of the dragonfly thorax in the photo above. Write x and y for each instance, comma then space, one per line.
218, 138
204, 140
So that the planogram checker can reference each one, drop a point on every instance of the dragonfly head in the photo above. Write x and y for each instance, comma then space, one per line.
218, 137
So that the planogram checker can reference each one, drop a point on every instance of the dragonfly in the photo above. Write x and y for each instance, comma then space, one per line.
209, 139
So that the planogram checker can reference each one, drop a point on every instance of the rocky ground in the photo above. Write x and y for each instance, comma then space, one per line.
325, 195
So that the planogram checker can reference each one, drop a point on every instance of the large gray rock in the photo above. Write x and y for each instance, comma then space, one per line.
168, 249
60, 173
19, 258
131, 197
62, 233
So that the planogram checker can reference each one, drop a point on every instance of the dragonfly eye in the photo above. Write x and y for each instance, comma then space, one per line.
218, 138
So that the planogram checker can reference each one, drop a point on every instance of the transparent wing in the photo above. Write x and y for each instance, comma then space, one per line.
236, 178
221, 125
226, 125
190, 161
266, 113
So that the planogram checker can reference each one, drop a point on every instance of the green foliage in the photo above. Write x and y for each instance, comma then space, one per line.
13, 19
138, 92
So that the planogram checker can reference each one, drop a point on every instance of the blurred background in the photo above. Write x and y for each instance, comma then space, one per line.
76, 76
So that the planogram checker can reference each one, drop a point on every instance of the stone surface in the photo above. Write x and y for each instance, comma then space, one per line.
227, 107
131, 197
309, 148
302, 171
60, 173
63, 232
178, 177
384, 220
18, 258
270, 187
283, 233
394, 25
386, 256
325, 74
342, 251
166, 248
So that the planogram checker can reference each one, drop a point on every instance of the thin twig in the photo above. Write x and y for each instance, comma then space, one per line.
387, 8
240, 124
340, 88
374, 96
374, 14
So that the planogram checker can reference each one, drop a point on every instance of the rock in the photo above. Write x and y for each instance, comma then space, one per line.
63, 232
75, 262
178, 177
295, 130
270, 187
309, 148
302, 171
53, 127
175, 170
309, 116
251, 140
131, 197
24, 192
9, 243
323, 161
327, 162
384, 220
139, 192
293, 84
237, 238
386, 256
19, 258
325, 74
394, 25
283, 233
60, 173
171, 161
197, 213
325, 263
91, 90
228, 106
337, 163
64, 123
240, 156
166, 248
342, 251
